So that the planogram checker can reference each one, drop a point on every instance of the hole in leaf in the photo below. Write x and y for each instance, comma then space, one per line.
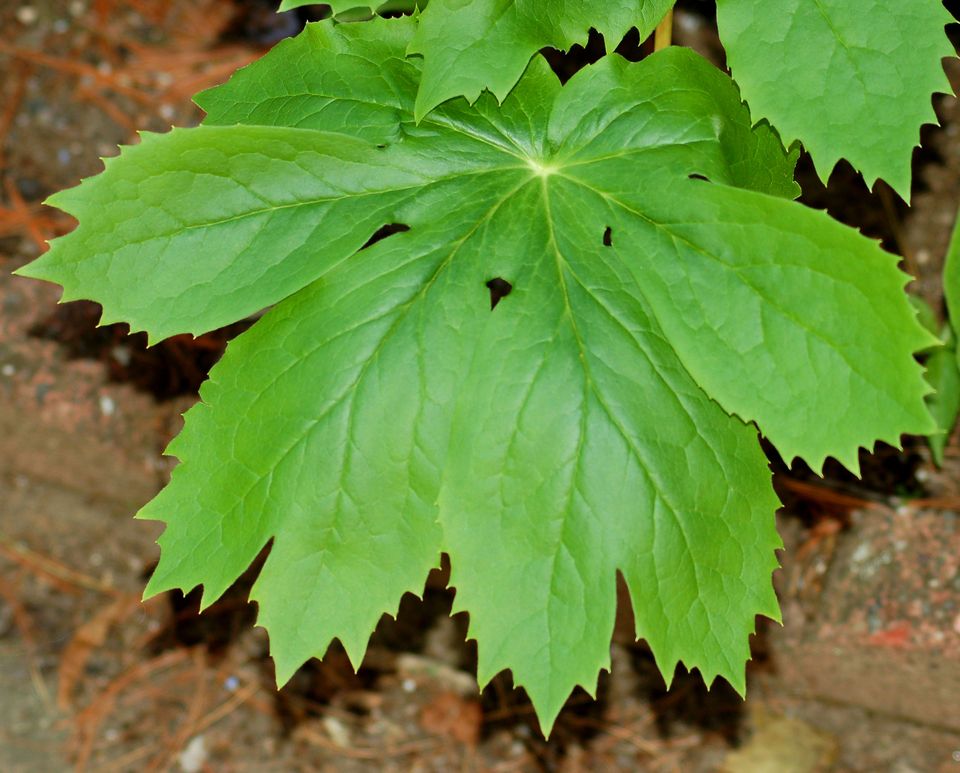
499, 289
608, 237
699, 177
384, 232
565, 64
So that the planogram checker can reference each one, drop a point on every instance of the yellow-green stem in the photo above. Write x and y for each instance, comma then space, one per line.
663, 37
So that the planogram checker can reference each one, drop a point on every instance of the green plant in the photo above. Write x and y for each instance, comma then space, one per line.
943, 362
554, 368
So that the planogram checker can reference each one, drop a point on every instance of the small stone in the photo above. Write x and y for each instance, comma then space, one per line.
194, 757
27, 15
107, 406
338, 732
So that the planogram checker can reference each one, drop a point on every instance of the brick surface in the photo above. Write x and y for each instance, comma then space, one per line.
872, 618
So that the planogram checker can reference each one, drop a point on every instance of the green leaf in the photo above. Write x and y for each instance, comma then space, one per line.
849, 80
943, 375
943, 365
468, 47
344, 6
951, 278
593, 422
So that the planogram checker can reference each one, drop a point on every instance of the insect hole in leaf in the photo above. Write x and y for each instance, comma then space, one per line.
499, 289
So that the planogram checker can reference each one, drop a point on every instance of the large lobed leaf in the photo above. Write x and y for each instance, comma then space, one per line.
594, 422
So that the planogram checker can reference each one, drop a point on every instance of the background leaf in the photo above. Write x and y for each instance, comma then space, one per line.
849, 80
487, 44
943, 374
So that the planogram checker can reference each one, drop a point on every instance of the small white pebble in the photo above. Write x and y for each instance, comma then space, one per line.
231, 683
409, 685
688, 22
166, 112
8, 370
338, 732
27, 14
121, 354
194, 757
107, 406
77, 8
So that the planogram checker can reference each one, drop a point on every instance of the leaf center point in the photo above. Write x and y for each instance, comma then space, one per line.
541, 168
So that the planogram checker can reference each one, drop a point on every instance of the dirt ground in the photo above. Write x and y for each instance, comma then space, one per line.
863, 676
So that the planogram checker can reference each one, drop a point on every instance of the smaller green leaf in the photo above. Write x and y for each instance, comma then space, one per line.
951, 279
849, 80
943, 366
943, 374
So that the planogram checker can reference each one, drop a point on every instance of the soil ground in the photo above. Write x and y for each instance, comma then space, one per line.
864, 675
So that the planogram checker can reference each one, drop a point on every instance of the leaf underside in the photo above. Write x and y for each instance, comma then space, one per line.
665, 292
849, 80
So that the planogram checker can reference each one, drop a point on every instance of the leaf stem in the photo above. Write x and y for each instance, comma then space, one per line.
663, 37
